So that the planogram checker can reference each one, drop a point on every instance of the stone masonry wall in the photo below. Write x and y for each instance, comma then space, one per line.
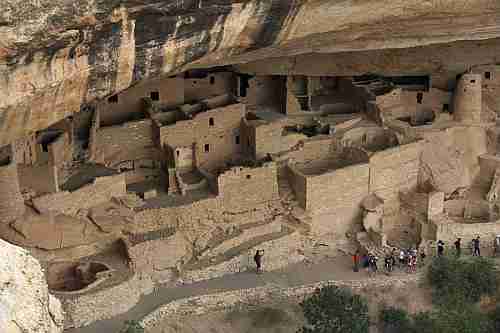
11, 201
449, 232
468, 98
69, 203
241, 188
298, 183
226, 301
159, 256
126, 142
394, 170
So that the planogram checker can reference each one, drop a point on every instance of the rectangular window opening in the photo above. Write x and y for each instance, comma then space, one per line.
472, 81
212, 80
113, 99
446, 108
207, 148
211, 122
237, 139
155, 95
487, 75
420, 97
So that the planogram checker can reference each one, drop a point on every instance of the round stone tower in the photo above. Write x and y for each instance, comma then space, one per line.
468, 99
11, 201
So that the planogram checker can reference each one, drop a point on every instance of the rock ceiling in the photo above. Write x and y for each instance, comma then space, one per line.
56, 56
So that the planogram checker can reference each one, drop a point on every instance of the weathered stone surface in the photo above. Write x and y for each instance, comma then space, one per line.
25, 303
56, 56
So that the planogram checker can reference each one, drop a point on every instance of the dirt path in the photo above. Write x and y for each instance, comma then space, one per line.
338, 268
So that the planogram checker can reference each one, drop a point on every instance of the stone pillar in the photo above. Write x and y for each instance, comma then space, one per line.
467, 102
11, 201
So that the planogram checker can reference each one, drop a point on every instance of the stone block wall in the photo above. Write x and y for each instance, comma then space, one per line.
129, 102
196, 89
394, 170
298, 183
127, 142
11, 201
157, 255
341, 188
69, 203
268, 139
488, 165
317, 148
467, 104
24, 150
242, 188
449, 232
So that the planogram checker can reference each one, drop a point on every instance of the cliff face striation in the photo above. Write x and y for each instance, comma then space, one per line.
56, 56
25, 303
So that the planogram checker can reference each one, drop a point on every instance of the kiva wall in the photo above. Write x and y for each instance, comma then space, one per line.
69, 203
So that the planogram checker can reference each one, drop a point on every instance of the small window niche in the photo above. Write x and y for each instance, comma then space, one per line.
420, 97
155, 95
487, 75
206, 148
249, 177
211, 122
212, 80
113, 99
472, 81
178, 153
446, 108
237, 140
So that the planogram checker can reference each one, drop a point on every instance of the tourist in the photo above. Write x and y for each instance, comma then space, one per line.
355, 259
422, 256
401, 258
388, 263
496, 246
458, 246
477, 247
440, 248
258, 260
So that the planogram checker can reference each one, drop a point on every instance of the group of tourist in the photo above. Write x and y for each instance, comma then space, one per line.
403, 258
475, 246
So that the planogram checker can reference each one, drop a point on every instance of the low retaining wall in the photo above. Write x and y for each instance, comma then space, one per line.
226, 301
83, 310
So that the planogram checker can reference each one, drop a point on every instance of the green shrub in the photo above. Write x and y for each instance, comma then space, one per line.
335, 310
394, 320
457, 282
133, 326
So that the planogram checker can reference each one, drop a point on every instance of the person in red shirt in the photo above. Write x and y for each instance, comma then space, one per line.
355, 259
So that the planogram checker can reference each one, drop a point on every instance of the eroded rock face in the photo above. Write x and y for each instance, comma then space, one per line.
56, 55
25, 303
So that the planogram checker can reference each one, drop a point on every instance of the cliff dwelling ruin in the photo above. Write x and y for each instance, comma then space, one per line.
188, 160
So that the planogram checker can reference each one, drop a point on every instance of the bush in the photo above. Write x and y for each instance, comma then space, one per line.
133, 326
335, 310
394, 320
457, 282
